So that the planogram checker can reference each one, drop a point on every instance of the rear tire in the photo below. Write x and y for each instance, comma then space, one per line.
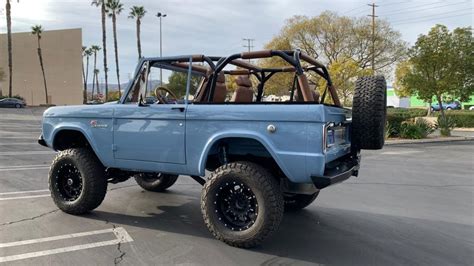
156, 182
77, 181
369, 110
17, 106
242, 204
296, 202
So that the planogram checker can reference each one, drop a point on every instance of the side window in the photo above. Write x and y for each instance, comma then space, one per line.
163, 83
167, 83
138, 86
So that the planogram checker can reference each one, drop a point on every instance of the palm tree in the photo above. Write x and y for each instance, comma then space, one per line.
94, 49
114, 8
87, 53
9, 41
96, 75
101, 4
84, 49
138, 12
38, 30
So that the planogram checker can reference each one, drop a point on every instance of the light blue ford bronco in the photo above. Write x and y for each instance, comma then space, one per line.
214, 119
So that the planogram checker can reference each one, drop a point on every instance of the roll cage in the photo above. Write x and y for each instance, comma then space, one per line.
217, 64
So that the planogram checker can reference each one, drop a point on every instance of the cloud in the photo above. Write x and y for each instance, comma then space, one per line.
214, 27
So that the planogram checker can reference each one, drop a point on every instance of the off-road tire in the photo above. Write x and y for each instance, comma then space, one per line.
297, 202
92, 174
155, 182
369, 110
267, 194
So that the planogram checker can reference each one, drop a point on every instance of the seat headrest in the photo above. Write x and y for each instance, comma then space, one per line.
221, 77
243, 81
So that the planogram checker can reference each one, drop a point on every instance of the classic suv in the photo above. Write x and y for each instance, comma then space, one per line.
184, 115
455, 105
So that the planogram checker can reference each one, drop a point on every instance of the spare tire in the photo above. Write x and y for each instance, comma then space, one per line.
369, 110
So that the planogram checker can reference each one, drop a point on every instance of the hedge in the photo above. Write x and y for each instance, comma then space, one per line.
461, 118
396, 116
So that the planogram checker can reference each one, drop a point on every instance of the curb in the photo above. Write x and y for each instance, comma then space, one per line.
421, 141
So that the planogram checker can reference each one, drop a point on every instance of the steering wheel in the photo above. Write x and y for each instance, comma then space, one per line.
161, 98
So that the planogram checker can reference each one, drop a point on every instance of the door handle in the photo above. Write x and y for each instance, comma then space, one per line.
181, 109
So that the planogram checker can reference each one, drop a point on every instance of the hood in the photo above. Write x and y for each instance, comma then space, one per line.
81, 111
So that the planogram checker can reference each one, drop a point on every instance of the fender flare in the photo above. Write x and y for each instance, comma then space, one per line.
61, 127
242, 134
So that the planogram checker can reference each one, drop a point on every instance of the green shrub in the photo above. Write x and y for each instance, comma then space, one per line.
407, 112
462, 118
396, 117
415, 130
388, 130
445, 125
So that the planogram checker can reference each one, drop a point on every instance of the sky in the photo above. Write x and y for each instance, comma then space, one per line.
217, 27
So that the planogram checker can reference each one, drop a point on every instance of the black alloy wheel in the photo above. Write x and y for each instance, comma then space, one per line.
68, 182
236, 206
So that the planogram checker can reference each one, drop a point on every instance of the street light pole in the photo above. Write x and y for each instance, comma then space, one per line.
160, 16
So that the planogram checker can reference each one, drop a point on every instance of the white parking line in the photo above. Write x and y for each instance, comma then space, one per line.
23, 192
19, 143
26, 152
399, 152
26, 197
20, 137
121, 237
23, 168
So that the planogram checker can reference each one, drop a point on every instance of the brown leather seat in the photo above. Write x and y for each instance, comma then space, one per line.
299, 98
244, 92
220, 91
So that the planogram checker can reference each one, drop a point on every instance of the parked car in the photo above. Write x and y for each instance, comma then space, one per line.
263, 157
471, 108
12, 102
447, 106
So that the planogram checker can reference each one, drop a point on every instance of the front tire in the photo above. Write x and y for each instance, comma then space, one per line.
77, 181
17, 106
156, 182
242, 204
296, 202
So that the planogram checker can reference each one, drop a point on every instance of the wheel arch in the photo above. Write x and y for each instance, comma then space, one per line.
66, 137
217, 139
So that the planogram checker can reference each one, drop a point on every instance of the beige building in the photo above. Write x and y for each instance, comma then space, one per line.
62, 57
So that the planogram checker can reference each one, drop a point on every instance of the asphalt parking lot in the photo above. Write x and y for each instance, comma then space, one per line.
411, 204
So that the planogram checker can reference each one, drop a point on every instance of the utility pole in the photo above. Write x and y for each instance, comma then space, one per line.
249, 45
373, 5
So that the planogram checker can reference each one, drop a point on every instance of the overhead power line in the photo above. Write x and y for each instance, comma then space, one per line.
430, 19
434, 16
422, 9
415, 6
352, 10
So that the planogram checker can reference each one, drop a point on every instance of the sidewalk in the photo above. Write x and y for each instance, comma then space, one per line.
458, 134
428, 140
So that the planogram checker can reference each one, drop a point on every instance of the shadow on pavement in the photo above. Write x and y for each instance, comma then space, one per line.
322, 235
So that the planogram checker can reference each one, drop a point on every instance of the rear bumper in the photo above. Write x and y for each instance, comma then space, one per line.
41, 141
338, 171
